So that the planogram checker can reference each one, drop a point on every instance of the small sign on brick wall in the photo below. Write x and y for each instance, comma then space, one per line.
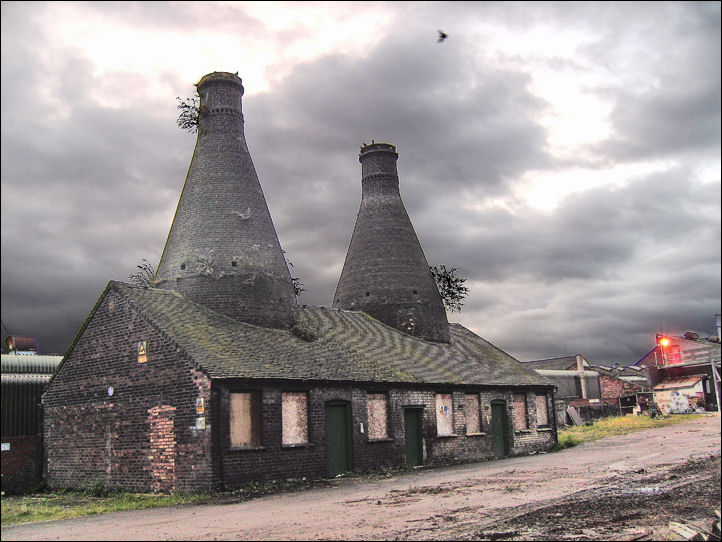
200, 405
201, 422
142, 352
5, 446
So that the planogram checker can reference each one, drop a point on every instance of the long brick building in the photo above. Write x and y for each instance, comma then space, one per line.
215, 376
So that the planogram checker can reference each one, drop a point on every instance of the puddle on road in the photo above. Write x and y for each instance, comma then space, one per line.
653, 490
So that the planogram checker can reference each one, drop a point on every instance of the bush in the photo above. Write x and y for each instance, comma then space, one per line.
97, 489
305, 330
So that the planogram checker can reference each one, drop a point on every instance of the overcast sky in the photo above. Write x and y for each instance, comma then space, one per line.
564, 157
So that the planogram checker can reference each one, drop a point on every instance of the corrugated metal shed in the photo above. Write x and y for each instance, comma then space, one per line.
24, 378
29, 364
569, 383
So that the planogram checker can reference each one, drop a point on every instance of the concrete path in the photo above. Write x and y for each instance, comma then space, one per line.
408, 506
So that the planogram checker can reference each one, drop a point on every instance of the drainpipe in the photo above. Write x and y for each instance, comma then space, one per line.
714, 370
580, 368
714, 383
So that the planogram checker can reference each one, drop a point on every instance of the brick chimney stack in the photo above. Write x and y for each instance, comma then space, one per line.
222, 250
386, 273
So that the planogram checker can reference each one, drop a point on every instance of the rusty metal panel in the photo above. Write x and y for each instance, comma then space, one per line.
444, 414
294, 417
472, 410
245, 420
520, 412
542, 414
378, 407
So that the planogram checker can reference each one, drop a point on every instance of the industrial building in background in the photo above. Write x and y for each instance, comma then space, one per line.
25, 373
684, 372
588, 392
215, 377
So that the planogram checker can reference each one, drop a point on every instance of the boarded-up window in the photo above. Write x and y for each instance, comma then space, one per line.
245, 419
472, 410
444, 414
542, 416
520, 412
295, 417
378, 405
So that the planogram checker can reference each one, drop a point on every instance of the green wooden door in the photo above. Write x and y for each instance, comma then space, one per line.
414, 437
500, 428
338, 438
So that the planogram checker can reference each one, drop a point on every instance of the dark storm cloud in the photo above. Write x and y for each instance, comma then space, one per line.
305, 138
589, 235
89, 188
84, 188
653, 124
676, 107
603, 273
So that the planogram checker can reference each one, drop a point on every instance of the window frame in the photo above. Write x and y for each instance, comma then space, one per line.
387, 426
524, 415
545, 398
255, 420
305, 394
438, 398
479, 412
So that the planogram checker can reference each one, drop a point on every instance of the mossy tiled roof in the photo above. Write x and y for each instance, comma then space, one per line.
350, 346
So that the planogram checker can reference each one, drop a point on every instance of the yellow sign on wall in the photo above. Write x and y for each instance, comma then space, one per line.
142, 352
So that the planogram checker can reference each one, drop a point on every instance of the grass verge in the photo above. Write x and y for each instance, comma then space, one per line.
71, 504
619, 425
96, 499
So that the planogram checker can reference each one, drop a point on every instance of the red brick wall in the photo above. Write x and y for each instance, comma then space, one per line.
272, 460
143, 437
21, 464
91, 437
614, 388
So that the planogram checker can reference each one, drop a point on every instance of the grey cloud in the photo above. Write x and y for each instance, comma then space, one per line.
590, 235
175, 16
98, 186
305, 137
674, 103
652, 124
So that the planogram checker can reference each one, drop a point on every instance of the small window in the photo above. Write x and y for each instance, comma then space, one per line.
473, 413
294, 417
542, 415
378, 407
520, 412
245, 419
444, 414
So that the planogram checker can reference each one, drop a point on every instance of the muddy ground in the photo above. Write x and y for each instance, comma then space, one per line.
619, 488
635, 506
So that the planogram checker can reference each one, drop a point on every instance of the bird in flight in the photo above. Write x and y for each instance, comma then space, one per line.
442, 36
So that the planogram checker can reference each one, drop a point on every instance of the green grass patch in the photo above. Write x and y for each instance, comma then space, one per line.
618, 425
98, 499
71, 504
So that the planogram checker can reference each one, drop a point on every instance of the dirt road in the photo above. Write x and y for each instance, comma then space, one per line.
616, 488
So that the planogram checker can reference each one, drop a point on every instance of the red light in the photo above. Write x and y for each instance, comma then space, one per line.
663, 341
